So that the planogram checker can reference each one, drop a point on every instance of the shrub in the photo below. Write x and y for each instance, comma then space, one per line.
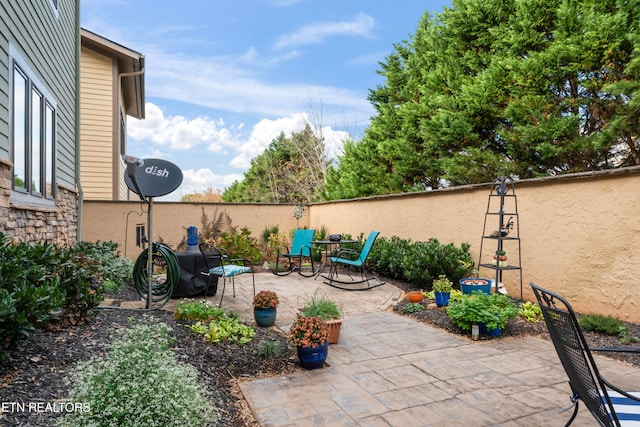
81, 285
413, 307
139, 383
608, 325
420, 263
111, 266
29, 288
188, 309
272, 239
269, 349
224, 328
43, 279
321, 233
387, 254
240, 245
530, 312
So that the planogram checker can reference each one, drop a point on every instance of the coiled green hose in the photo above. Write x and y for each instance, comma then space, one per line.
165, 274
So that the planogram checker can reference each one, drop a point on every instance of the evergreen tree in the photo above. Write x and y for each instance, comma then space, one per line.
493, 87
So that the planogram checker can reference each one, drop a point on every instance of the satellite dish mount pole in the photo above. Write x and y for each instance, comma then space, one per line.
132, 164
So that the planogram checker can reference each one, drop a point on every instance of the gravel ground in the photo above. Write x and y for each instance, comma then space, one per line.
37, 370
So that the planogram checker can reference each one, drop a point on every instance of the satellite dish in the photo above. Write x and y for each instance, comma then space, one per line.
154, 178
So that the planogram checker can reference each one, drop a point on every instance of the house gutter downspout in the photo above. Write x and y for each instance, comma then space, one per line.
120, 77
80, 222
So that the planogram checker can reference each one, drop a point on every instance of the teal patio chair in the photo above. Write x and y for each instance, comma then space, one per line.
350, 260
300, 250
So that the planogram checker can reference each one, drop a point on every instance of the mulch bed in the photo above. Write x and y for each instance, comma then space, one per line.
37, 371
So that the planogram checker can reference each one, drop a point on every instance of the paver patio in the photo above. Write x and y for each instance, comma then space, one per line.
389, 370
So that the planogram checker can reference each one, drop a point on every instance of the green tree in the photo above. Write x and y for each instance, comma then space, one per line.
291, 170
493, 87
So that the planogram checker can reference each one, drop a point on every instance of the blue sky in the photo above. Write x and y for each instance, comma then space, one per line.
223, 78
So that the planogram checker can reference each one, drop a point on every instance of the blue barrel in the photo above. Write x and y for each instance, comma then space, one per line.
192, 236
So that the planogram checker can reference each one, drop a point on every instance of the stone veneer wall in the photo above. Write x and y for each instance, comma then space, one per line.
58, 226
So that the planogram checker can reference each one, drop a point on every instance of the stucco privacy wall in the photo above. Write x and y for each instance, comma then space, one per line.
580, 233
116, 220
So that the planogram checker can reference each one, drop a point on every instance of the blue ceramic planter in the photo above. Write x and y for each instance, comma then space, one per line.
313, 358
442, 298
265, 316
490, 333
470, 284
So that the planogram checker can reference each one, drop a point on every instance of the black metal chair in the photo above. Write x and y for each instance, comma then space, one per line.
610, 405
228, 267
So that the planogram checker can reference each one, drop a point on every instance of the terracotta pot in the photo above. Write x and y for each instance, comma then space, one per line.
334, 330
415, 296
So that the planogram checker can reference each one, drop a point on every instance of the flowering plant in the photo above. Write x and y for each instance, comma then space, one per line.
309, 331
265, 299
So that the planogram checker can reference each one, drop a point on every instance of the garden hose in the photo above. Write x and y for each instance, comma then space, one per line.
165, 274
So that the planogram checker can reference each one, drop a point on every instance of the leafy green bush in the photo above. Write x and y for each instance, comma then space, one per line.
225, 328
420, 263
530, 312
491, 309
110, 265
387, 254
412, 307
139, 383
29, 288
188, 309
608, 325
81, 284
42, 280
322, 233
240, 245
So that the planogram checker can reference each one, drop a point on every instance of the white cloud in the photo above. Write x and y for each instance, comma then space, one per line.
161, 135
223, 83
315, 33
178, 132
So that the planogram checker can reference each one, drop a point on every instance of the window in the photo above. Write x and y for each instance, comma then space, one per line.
34, 117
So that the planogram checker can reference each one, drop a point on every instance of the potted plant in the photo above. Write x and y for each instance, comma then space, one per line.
321, 305
500, 259
468, 285
442, 290
265, 304
415, 296
310, 336
489, 311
